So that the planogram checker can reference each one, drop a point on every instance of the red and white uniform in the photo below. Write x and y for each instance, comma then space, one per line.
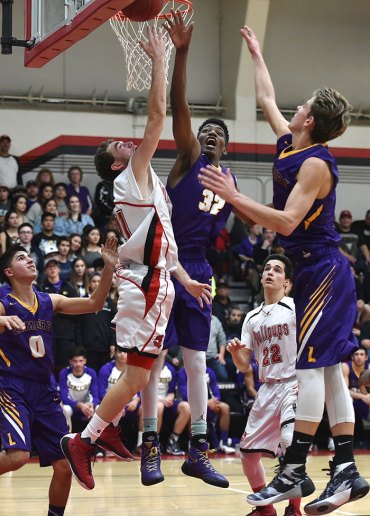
147, 257
270, 331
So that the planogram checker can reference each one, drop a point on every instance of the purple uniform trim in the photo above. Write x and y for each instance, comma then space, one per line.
198, 216
189, 324
325, 302
31, 409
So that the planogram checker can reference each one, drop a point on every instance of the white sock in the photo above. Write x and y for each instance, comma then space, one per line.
139, 438
117, 419
94, 429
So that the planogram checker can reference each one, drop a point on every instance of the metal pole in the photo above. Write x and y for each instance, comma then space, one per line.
7, 24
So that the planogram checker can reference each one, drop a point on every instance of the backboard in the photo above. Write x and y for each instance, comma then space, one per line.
58, 24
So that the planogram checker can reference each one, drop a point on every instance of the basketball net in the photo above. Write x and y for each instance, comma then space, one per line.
138, 63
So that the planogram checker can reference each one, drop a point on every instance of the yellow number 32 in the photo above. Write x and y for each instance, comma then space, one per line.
211, 203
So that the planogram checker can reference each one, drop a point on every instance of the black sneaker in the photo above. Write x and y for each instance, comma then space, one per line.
173, 447
343, 487
284, 486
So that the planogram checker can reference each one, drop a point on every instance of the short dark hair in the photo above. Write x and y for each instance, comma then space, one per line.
78, 351
332, 114
47, 214
103, 163
289, 270
6, 260
25, 225
220, 123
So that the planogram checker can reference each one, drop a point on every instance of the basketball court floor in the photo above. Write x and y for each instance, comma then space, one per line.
118, 490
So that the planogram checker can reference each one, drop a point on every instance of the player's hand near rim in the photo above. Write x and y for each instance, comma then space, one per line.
179, 33
155, 46
240, 353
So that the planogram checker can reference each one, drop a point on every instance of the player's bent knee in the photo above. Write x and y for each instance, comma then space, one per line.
17, 458
62, 469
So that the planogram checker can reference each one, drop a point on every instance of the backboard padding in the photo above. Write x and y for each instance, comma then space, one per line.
59, 33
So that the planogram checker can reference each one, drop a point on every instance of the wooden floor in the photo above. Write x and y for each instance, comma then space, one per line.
118, 491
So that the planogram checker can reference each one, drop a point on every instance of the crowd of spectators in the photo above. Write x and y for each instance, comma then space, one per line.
63, 226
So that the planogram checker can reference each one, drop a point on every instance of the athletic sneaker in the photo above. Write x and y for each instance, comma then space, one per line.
292, 511
197, 465
343, 487
79, 453
111, 441
225, 448
261, 511
173, 448
151, 462
284, 486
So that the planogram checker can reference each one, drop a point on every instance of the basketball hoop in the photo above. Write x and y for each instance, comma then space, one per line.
138, 63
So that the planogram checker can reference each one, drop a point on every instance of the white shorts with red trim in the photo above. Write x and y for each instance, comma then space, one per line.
145, 300
274, 406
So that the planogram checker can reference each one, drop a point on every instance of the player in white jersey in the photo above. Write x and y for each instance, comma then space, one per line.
270, 332
147, 259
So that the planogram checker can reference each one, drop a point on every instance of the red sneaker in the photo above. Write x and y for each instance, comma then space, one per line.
110, 440
78, 453
262, 511
291, 510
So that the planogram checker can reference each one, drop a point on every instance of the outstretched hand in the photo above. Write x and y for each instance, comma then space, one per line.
180, 34
201, 291
155, 46
250, 39
109, 251
219, 182
234, 346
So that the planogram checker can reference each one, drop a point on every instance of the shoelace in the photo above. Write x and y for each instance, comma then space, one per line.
151, 459
205, 461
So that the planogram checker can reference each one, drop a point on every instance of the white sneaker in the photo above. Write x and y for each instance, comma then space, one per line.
224, 448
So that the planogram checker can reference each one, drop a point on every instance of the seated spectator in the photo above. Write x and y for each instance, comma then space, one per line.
172, 413
19, 205
361, 402
97, 330
130, 419
46, 235
25, 238
91, 247
363, 315
264, 248
233, 329
103, 204
221, 301
45, 175
79, 278
218, 411
215, 354
66, 328
32, 193
245, 252
174, 356
351, 244
75, 187
76, 221
5, 203
64, 264
365, 336
46, 192
76, 246
218, 254
60, 195
9, 236
50, 206
78, 390
9, 164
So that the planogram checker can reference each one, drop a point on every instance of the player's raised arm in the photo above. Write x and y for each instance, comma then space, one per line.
188, 146
265, 93
155, 49
95, 302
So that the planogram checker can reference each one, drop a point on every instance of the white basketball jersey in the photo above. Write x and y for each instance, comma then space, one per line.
270, 331
145, 224
164, 381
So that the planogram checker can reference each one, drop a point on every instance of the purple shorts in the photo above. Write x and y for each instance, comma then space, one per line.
326, 308
189, 324
31, 411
